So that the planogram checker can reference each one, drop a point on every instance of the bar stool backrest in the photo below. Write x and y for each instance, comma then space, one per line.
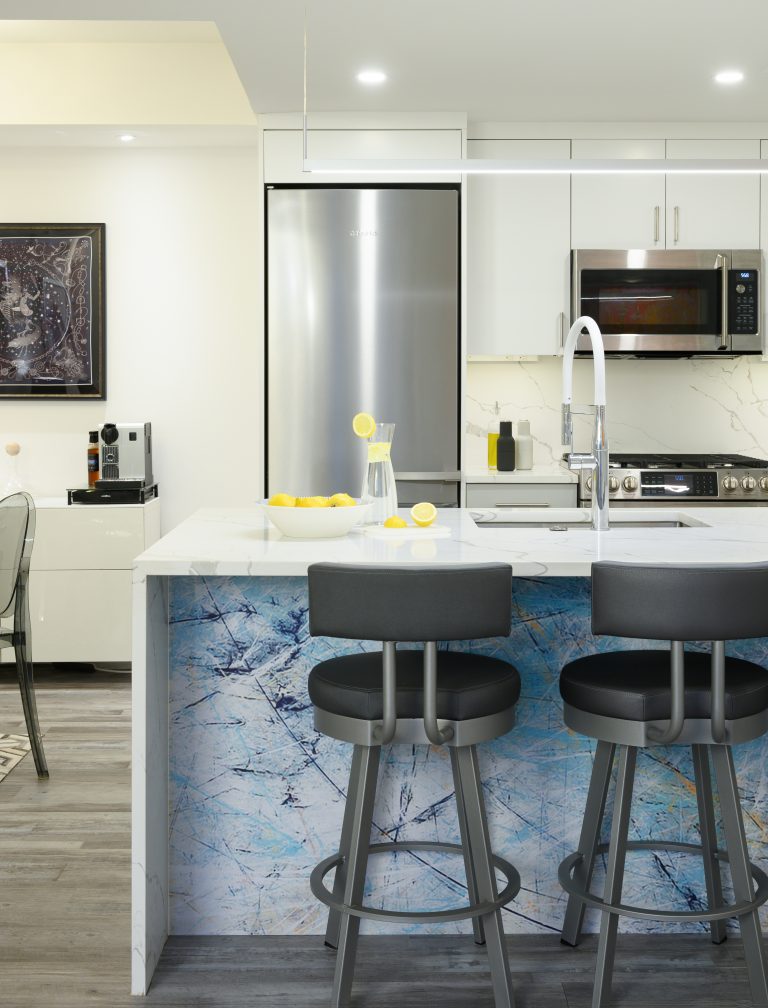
689, 602
410, 603
17, 533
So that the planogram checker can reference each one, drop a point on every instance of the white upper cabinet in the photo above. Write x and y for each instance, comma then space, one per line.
517, 258
617, 211
283, 152
666, 211
713, 211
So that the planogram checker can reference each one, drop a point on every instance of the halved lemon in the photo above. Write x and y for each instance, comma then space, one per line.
424, 513
363, 425
282, 500
312, 502
395, 522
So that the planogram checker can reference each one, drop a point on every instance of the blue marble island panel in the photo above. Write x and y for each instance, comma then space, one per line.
257, 795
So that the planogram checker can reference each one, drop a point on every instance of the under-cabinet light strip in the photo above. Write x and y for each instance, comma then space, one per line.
486, 166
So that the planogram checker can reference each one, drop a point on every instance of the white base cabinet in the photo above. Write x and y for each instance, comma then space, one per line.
80, 579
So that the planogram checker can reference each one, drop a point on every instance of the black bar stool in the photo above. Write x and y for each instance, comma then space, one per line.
423, 698
632, 699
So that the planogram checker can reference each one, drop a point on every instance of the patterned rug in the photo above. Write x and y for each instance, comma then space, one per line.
13, 749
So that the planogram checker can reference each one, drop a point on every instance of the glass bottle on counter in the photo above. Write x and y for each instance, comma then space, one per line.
493, 437
93, 457
379, 487
524, 446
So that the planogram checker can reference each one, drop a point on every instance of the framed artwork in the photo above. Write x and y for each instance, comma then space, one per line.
52, 311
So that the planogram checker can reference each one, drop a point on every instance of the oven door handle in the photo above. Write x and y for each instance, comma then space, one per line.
722, 265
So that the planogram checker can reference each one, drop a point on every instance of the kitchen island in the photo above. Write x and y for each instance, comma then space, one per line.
235, 796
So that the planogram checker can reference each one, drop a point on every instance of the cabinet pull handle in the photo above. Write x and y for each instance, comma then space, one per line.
561, 325
524, 504
656, 224
677, 224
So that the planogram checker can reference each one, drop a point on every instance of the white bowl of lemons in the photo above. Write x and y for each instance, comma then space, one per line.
314, 517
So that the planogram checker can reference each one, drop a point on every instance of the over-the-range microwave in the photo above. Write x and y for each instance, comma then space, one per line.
670, 302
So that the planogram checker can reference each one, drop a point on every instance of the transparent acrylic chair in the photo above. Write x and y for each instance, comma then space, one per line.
17, 536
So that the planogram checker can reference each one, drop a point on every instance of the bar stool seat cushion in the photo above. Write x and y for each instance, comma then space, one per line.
468, 685
635, 685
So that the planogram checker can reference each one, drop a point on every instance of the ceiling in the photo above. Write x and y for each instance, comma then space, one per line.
553, 61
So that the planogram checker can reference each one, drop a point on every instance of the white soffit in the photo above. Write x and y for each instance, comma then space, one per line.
118, 72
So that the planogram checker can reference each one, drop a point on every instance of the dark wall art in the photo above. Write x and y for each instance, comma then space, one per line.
52, 311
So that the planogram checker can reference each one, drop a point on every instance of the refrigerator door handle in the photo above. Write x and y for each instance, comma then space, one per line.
428, 477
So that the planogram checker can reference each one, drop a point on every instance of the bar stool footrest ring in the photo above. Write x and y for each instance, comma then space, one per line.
510, 890
567, 867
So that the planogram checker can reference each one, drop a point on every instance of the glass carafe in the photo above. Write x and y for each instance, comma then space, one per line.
379, 488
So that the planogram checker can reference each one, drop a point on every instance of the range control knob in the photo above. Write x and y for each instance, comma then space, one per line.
613, 484
589, 482
749, 483
764, 483
730, 483
630, 483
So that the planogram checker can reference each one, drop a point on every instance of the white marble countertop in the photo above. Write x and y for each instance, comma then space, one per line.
539, 474
239, 541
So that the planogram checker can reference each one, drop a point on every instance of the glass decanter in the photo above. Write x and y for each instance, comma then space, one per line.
379, 489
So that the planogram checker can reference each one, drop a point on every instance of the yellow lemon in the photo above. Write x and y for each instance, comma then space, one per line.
424, 514
282, 500
363, 425
313, 502
395, 522
342, 500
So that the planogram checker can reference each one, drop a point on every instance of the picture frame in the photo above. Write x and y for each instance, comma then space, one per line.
52, 311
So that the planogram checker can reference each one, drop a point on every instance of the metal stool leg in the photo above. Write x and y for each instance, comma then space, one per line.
614, 875
738, 858
28, 702
354, 883
480, 852
469, 868
708, 831
589, 839
340, 878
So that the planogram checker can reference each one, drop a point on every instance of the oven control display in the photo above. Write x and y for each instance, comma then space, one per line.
678, 484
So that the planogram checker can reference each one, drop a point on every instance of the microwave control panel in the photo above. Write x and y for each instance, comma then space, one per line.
743, 307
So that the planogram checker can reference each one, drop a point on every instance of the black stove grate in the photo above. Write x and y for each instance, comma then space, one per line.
649, 460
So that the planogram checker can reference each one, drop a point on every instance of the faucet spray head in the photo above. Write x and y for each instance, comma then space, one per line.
567, 426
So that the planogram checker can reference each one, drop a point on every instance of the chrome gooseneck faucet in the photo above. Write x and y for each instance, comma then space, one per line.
597, 459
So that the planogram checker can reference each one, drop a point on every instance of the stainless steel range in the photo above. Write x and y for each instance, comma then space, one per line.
682, 479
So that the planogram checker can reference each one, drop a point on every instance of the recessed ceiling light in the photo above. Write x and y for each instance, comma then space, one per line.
729, 77
371, 76
127, 137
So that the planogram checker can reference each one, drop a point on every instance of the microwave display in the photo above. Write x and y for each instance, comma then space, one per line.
649, 301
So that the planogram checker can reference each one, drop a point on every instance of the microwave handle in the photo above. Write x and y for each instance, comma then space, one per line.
722, 265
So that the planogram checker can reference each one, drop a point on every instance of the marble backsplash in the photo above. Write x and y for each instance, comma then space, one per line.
671, 405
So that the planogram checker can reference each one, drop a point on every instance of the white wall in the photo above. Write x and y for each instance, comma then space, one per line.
664, 405
184, 319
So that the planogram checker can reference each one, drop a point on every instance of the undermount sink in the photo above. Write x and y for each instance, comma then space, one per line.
585, 525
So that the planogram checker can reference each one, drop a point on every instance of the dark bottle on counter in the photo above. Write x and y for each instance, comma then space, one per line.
505, 448
93, 457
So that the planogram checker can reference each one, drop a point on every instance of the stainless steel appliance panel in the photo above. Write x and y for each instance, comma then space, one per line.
362, 314
670, 301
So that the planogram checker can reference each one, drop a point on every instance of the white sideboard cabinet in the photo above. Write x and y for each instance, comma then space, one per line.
80, 578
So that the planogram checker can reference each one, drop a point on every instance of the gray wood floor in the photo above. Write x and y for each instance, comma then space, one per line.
65, 890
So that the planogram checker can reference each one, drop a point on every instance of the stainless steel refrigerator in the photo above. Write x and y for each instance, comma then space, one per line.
362, 316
